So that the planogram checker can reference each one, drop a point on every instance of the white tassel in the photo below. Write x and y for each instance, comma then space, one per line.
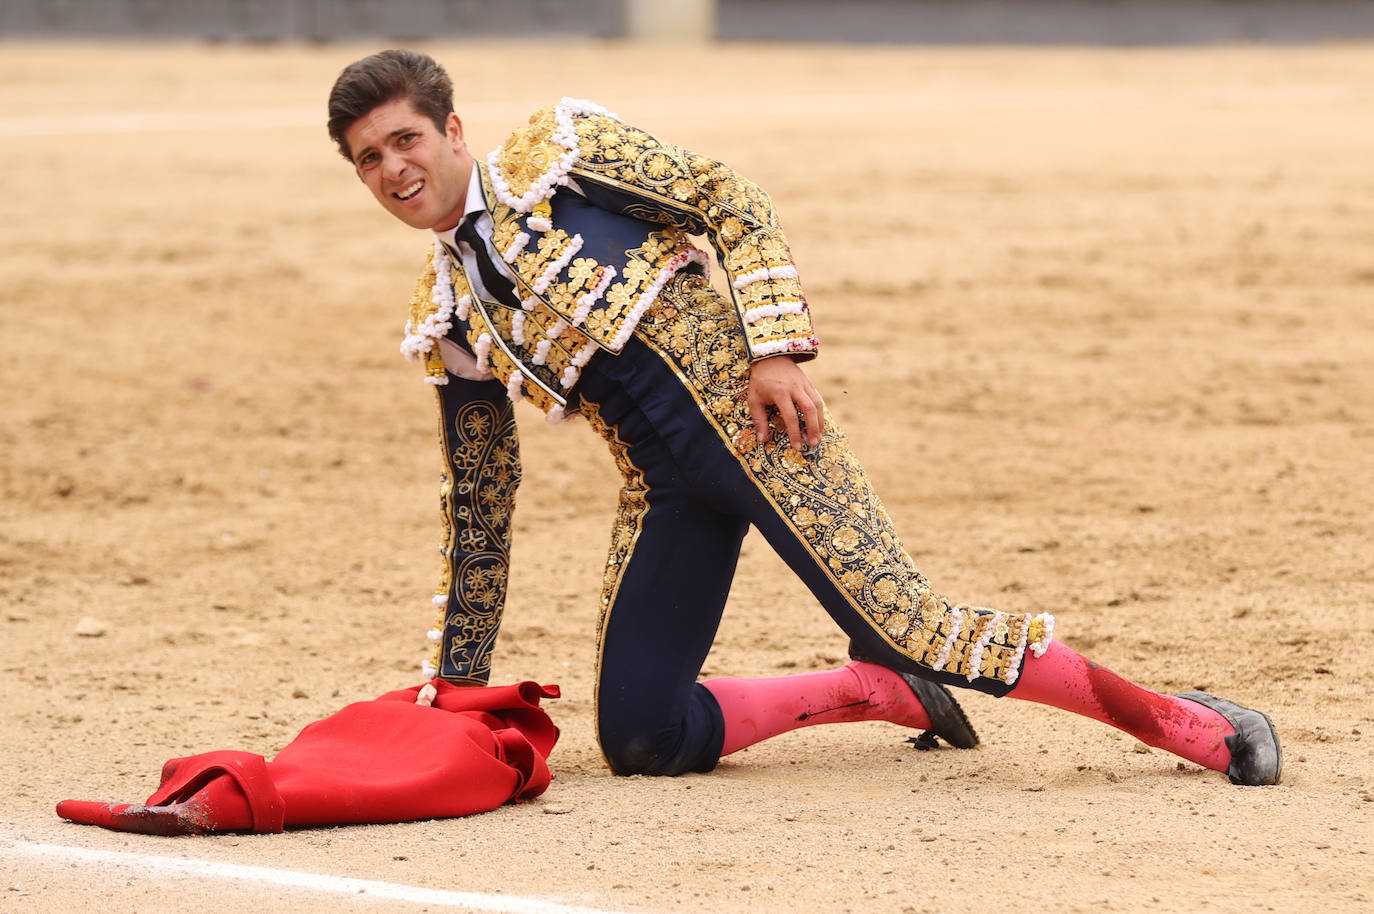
650, 295
546, 279
1043, 644
418, 341
584, 355
762, 273
585, 302
975, 657
956, 622
774, 310
1015, 672
483, 352
808, 344
516, 246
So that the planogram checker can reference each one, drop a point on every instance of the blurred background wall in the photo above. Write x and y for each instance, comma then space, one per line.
922, 21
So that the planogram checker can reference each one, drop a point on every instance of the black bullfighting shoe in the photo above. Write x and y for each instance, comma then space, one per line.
947, 719
1256, 758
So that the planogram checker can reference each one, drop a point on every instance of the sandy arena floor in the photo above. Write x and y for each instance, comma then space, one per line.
1099, 322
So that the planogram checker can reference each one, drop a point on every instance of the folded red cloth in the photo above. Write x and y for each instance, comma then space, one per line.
469, 750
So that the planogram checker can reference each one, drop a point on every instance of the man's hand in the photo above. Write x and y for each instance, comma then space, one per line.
780, 382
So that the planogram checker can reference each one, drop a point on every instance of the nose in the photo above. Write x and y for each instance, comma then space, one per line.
393, 164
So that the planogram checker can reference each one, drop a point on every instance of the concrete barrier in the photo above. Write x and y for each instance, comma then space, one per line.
1121, 22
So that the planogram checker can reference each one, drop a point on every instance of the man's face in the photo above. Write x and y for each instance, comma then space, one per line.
419, 175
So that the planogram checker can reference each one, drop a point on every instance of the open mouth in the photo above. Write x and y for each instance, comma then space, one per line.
409, 192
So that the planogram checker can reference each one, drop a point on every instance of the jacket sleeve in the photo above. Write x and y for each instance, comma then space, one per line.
481, 460
627, 170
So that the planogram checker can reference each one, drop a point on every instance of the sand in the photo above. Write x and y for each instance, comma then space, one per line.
1098, 322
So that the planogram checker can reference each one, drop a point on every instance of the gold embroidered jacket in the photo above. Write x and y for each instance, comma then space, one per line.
589, 262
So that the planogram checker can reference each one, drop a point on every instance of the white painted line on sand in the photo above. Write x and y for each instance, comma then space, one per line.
316, 882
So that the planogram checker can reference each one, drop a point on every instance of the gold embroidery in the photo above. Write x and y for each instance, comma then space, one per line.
477, 493
828, 500
667, 185
421, 307
625, 529
646, 266
704, 196
503, 235
529, 152
542, 379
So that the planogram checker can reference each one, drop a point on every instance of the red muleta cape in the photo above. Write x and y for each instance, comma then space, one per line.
386, 760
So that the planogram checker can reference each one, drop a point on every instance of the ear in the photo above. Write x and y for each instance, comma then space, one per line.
453, 131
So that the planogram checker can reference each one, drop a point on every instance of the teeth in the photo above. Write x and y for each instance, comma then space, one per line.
410, 191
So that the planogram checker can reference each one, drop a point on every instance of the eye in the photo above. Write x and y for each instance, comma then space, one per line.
368, 159
407, 139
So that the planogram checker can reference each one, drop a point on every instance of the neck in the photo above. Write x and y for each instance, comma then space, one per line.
466, 164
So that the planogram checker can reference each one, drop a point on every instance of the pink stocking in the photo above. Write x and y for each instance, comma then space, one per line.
756, 709
1066, 679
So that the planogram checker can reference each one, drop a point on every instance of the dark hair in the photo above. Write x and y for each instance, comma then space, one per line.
385, 77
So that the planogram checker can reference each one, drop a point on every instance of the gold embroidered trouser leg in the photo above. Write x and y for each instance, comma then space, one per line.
820, 512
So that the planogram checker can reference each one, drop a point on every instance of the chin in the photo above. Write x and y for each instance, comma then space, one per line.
414, 220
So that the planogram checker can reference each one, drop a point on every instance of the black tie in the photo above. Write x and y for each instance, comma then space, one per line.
495, 281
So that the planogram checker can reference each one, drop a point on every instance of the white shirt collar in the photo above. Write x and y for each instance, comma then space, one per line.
473, 203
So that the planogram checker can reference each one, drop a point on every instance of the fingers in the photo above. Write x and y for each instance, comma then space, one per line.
758, 409
812, 411
780, 384
802, 415
787, 411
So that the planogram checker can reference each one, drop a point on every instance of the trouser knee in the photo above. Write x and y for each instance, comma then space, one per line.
653, 739
642, 751
630, 755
